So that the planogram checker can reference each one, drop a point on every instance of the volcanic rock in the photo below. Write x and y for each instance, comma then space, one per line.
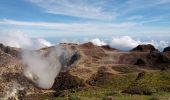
167, 49
15, 52
65, 81
144, 48
107, 47
88, 45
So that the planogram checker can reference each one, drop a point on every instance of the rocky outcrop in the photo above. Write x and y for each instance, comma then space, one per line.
88, 45
66, 81
144, 48
167, 49
15, 52
107, 47
158, 59
154, 59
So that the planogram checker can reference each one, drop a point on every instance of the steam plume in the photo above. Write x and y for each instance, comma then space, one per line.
19, 39
43, 67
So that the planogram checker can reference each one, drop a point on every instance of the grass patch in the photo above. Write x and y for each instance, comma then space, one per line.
99, 94
150, 82
104, 86
110, 81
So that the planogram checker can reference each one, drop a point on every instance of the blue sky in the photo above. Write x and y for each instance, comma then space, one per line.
79, 18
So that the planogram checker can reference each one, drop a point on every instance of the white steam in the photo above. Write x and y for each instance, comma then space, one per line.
16, 38
42, 68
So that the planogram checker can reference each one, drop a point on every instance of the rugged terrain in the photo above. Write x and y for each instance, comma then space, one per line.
94, 73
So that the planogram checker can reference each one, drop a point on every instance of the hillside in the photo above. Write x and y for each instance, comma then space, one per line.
93, 72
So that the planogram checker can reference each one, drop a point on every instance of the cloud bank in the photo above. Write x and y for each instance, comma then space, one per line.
127, 43
19, 39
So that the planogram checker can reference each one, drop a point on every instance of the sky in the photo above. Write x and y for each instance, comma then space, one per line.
140, 20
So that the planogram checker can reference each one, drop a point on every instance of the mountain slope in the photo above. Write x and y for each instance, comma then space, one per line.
89, 67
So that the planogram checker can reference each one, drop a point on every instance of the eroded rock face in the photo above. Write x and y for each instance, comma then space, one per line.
154, 59
144, 48
107, 47
88, 45
66, 80
15, 52
12, 82
167, 49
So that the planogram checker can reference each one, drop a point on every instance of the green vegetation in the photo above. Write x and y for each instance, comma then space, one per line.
148, 83
111, 81
101, 95
154, 85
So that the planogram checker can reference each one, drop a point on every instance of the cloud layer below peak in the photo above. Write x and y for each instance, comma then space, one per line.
126, 43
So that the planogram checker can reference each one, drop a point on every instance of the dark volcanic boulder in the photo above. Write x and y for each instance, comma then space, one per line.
107, 47
166, 49
144, 48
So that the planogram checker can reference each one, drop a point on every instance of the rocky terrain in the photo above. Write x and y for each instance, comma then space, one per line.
91, 69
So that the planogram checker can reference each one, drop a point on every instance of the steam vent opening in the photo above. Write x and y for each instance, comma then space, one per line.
43, 66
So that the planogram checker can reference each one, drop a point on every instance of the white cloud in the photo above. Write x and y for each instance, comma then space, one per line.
15, 38
124, 42
90, 27
97, 9
19, 39
136, 5
98, 42
127, 43
161, 44
77, 8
